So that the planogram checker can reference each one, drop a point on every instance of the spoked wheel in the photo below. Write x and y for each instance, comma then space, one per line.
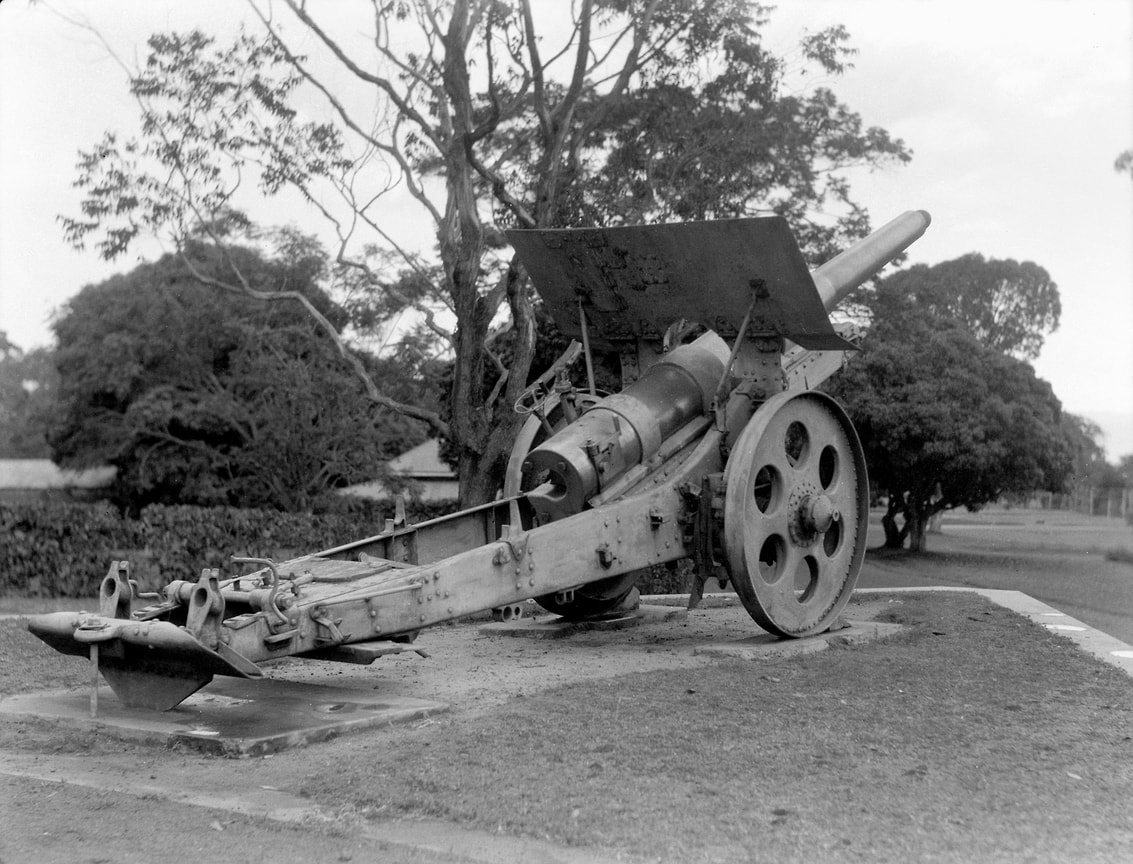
596, 598
795, 513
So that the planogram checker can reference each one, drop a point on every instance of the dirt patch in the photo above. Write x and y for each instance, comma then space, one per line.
466, 668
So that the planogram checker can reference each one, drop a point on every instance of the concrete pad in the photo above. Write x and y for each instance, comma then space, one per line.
765, 646
229, 717
708, 601
557, 627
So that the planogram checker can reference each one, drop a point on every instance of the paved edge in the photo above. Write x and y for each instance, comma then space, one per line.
1091, 640
1101, 645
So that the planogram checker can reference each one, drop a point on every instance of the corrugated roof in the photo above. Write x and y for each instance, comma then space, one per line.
45, 474
422, 461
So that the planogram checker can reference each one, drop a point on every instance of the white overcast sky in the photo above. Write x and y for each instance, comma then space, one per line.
1015, 111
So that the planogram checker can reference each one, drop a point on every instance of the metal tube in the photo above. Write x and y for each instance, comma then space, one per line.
586, 350
850, 268
94, 679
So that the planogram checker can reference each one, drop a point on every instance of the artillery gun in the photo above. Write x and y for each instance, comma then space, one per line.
716, 449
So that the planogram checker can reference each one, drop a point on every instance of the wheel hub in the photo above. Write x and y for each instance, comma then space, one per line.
818, 514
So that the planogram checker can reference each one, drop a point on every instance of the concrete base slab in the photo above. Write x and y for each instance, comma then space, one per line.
708, 601
766, 646
229, 717
557, 627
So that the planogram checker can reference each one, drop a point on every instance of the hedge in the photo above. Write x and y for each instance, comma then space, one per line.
63, 549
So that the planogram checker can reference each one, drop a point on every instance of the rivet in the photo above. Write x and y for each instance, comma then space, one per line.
421, 618
531, 582
373, 613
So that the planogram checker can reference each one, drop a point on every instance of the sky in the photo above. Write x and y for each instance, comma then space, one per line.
1014, 109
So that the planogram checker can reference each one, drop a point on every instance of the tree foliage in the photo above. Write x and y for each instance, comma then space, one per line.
200, 399
946, 419
27, 391
1006, 305
1123, 164
599, 112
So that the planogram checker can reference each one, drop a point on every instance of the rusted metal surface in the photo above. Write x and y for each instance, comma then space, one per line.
635, 281
715, 452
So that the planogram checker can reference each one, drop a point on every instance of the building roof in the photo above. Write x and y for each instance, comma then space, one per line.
422, 462
45, 474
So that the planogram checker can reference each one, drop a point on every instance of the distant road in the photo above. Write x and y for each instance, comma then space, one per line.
1056, 558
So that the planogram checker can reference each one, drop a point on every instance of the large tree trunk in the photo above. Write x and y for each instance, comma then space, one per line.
479, 478
894, 534
916, 520
917, 534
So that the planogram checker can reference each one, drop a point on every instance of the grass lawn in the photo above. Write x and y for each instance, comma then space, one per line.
975, 736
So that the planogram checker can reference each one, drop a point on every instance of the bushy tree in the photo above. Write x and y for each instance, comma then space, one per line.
1123, 164
945, 419
1006, 305
208, 399
27, 394
599, 112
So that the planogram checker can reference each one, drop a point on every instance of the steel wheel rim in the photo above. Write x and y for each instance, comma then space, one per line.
795, 513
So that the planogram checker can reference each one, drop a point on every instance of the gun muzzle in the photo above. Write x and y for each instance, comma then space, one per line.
850, 268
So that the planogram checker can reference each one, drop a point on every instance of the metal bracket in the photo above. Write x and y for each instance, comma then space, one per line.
510, 612
206, 609
513, 542
320, 616
116, 594
606, 555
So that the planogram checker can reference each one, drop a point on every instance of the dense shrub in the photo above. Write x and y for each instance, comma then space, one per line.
63, 549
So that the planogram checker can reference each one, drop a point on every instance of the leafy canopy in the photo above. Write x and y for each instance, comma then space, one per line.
206, 399
946, 419
1006, 305
490, 114
27, 390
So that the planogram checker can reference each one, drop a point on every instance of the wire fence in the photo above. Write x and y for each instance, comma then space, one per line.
1111, 502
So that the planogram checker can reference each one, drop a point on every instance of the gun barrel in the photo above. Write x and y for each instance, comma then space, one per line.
850, 268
